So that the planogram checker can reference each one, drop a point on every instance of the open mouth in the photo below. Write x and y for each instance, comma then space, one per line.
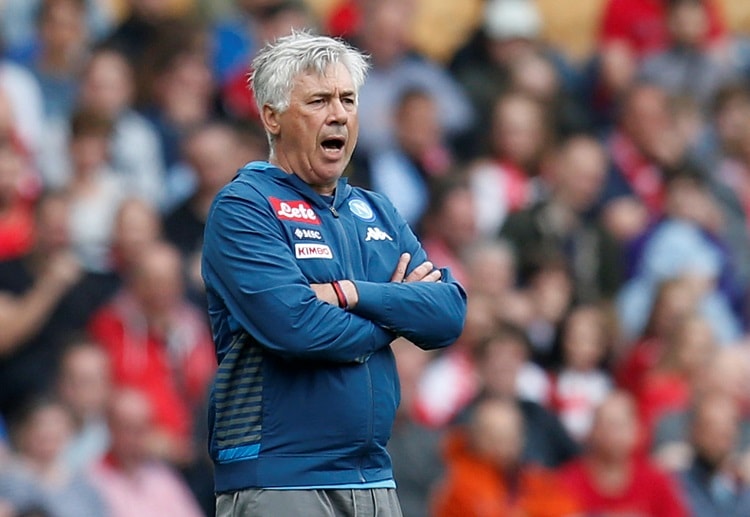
333, 143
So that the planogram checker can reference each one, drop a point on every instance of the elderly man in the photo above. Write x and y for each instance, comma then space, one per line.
308, 282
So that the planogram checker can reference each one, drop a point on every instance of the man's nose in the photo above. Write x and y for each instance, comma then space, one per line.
338, 113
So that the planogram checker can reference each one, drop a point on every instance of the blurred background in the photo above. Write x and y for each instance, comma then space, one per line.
582, 167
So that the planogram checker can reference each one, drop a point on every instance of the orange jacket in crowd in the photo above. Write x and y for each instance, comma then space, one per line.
474, 487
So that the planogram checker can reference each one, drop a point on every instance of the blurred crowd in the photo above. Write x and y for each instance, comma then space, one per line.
582, 167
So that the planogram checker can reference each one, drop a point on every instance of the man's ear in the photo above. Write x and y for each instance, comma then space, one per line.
270, 119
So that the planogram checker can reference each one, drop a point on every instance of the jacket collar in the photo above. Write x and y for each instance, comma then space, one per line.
342, 192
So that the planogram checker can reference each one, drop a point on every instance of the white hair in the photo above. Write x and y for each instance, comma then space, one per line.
278, 64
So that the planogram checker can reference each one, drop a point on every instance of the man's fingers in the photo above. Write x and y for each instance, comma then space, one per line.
400, 272
434, 276
420, 272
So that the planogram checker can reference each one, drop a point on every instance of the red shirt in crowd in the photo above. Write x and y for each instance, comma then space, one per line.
650, 492
639, 361
643, 24
16, 230
172, 372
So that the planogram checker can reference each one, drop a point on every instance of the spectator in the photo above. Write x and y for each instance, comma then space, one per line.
137, 226
644, 147
541, 75
159, 343
26, 103
507, 51
44, 296
563, 224
132, 482
402, 173
487, 475
502, 181
16, 212
385, 36
673, 301
504, 370
642, 26
84, 385
712, 484
685, 243
581, 384
108, 89
451, 381
59, 54
414, 447
611, 477
448, 227
631, 30
723, 134
212, 151
685, 67
40, 434
94, 190
550, 294
491, 267
177, 94
730, 185
237, 37
725, 376
18, 21
671, 385
263, 21
141, 29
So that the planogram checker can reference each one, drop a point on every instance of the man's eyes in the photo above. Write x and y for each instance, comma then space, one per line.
349, 101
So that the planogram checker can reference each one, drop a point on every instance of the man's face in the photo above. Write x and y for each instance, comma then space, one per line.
315, 136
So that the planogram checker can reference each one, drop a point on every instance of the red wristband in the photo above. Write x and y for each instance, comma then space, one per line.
340, 296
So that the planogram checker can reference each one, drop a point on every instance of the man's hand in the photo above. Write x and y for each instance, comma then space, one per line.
325, 293
425, 272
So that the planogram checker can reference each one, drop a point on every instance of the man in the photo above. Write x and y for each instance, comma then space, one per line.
308, 282
129, 478
487, 474
712, 483
612, 477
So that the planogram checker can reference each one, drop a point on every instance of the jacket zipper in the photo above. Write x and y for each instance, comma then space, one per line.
371, 413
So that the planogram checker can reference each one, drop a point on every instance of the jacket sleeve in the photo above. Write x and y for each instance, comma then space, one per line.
249, 265
431, 315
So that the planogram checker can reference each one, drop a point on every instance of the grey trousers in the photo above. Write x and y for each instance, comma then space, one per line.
377, 502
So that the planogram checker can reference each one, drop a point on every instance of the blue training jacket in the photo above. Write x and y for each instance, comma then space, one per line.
306, 393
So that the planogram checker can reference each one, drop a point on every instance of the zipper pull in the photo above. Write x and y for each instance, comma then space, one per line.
334, 211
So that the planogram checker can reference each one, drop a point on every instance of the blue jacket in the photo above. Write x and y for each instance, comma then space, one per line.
306, 392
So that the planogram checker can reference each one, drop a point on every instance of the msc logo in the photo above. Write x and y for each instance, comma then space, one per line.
376, 234
312, 251
306, 233
297, 211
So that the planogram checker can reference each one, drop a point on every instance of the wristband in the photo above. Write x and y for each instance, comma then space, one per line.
340, 296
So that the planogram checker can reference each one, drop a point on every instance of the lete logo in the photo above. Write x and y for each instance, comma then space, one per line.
297, 211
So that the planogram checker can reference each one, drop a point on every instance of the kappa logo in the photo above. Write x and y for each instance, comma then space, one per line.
297, 211
361, 210
312, 251
306, 233
376, 234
